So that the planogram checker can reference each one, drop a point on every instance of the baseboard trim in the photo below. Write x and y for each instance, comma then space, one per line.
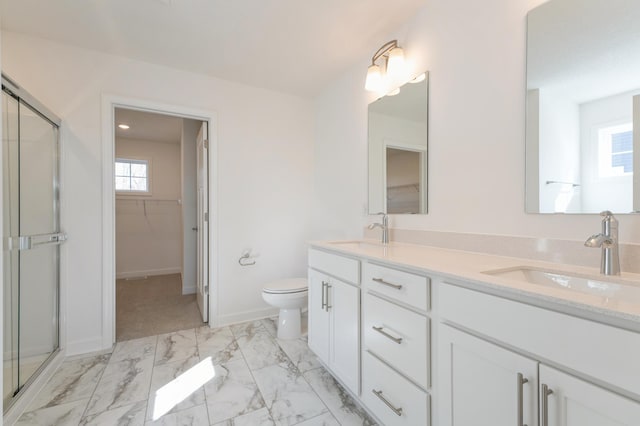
189, 290
246, 316
83, 347
148, 273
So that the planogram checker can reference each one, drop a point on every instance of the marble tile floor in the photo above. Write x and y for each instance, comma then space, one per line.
237, 375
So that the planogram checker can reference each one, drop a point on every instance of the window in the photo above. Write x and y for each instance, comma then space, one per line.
132, 175
615, 150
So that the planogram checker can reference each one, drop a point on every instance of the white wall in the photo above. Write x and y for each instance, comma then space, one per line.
264, 161
148, 232
475, 52
190, 130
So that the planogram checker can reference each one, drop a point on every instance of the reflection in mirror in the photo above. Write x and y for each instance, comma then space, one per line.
583, 98
398, 150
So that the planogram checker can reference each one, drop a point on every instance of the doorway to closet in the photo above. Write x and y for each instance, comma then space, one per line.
161, 236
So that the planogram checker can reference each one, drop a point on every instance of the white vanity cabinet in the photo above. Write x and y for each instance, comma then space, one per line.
396, 346
483, 382
570, 401
334, 314
500, 362
488, 385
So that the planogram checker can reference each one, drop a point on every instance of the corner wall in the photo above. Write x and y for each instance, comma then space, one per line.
475, 53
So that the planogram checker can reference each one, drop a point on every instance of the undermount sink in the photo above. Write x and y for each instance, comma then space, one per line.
581, 284
357, 244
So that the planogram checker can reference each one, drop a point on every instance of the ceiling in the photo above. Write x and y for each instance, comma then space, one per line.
291, 46
148, 126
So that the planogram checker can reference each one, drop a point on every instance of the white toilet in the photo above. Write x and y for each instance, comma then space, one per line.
290, 295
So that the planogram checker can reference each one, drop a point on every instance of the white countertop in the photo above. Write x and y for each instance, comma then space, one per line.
459, 266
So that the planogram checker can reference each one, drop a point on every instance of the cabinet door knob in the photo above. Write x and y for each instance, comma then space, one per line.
520, 391
378, 393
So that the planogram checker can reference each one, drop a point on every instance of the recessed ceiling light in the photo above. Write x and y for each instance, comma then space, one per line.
123, 126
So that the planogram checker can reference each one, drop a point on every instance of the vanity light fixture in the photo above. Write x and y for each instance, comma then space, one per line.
123, 126
394, 67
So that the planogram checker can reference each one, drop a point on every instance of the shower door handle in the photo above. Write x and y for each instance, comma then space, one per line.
29, 242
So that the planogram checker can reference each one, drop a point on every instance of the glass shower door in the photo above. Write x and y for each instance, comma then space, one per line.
10, 210
32, 238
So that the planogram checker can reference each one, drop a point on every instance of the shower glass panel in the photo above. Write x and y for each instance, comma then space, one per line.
32, 237
10, 204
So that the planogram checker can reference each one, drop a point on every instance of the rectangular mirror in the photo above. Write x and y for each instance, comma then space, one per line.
398, 155
583, 107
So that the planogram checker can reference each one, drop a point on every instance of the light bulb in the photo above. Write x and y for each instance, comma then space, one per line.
395, 65
374, 79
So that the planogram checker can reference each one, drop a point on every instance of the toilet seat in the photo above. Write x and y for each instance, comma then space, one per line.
287, 286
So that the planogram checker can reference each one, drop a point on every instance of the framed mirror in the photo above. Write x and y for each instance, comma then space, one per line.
583, 107
398, 150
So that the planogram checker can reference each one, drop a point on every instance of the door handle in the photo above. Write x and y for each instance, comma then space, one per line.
195, 228
29, 242
324, 303
327, 303
545, 404
520, 397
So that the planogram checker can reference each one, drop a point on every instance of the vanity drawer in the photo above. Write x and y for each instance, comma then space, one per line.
403, 286
398, 336
339, 266
399, 393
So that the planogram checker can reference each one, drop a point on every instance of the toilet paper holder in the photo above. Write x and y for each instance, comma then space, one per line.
245, 259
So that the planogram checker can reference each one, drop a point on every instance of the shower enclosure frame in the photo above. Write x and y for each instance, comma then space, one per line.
30, 387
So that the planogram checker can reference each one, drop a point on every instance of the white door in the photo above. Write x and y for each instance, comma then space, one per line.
574, 402
481, 383
318, 315
202, 179
345, 332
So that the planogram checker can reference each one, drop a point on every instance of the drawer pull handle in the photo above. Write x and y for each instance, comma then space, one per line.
398, 411
383, 282
545, 404
324, 302
521, 381
380, 330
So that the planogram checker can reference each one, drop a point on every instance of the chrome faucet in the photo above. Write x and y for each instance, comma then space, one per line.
384, 226
608, 241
